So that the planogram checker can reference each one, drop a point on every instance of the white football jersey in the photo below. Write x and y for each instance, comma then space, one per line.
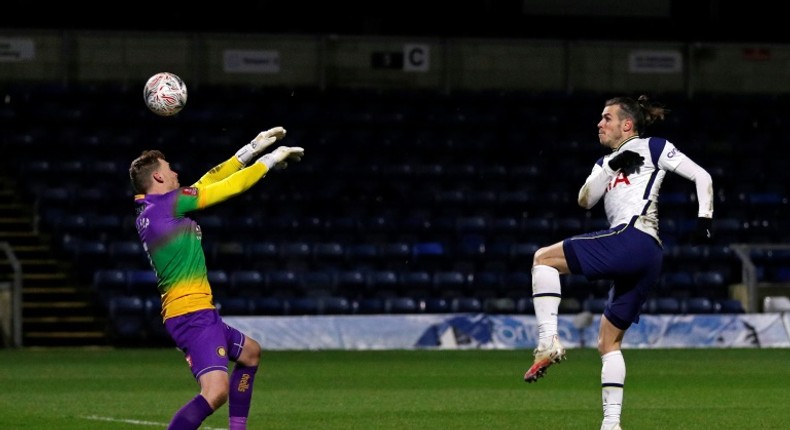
636, 195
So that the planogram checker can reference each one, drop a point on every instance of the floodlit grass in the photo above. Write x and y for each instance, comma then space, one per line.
109, 389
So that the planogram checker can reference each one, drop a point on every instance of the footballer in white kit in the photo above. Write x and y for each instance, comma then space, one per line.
629, 252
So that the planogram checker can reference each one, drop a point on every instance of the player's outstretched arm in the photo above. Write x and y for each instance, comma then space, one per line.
245, 178
242, 157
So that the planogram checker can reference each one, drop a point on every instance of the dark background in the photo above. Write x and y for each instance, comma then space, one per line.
681, 20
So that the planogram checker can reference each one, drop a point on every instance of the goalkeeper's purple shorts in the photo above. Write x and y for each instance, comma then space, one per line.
207, 342
624, 254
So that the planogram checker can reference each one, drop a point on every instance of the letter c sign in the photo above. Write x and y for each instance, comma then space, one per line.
416, 58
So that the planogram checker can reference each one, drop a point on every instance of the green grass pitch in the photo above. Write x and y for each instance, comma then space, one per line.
84, 389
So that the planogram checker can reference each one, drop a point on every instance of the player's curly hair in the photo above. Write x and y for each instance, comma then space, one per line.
642, 111
141, 169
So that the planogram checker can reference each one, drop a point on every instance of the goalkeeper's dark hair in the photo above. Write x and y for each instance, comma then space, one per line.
141, 169
642, 111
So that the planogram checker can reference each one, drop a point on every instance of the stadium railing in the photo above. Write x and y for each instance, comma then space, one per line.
15, 295
752, 273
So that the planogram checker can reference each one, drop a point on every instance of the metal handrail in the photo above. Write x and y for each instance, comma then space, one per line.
749, 271
16, 294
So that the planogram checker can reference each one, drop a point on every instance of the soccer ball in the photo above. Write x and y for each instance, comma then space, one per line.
165, 94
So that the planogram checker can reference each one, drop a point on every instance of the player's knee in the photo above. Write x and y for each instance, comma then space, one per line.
251, 354
217, 396
540, 256
601, 346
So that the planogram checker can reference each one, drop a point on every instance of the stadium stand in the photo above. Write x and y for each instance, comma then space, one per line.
403, 228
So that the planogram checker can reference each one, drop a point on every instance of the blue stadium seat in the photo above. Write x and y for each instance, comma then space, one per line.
429, 255
218, 279
676, 281
282, 279
246, 282
210, 222
350, 283
153, 314
471, 224
128, 254
370, 305
382, 282
335, 305
524, 305
94, 252
402, 305
295, 251
449, 281
486, 280
519, 281
72, 224
730, 306
258, 251
564, 227
595, 305
709, 280
415, 280
328, 253
109, 283
267, 306
228, 254
499, 305
142, 281
522, 253
504, 226
433, 305
698, 305
361, 253
233, 305
303, 306
317, 280
400, 251
466, 304
127, 318
664, 305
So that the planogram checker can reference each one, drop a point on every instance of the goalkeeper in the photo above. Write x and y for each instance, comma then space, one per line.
173, 243
629, 252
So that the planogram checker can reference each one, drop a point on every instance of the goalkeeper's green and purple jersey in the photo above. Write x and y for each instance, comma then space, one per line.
172, 240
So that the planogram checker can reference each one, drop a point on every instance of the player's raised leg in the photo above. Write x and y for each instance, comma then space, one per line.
546, 296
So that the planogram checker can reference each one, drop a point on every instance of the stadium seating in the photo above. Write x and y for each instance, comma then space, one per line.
127, 318
268, 306
402, 305
730, 306
372, 305
335, 305
431, 214
304, 306
435, 305
664, 305
233, 305
466, 304
594, 305
698, 305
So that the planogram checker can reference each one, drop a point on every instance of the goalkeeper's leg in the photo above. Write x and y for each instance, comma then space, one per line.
242, 379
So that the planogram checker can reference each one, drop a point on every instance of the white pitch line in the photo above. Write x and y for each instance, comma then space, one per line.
137, 422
